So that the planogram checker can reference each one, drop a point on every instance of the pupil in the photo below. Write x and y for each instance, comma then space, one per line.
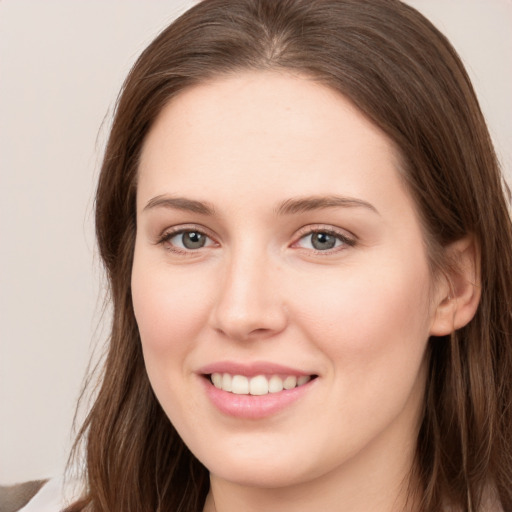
323, 241
193, 240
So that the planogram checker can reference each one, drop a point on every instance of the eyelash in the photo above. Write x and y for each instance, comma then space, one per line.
167, 236
346, 241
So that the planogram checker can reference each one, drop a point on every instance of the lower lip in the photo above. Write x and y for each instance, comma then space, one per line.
254, 406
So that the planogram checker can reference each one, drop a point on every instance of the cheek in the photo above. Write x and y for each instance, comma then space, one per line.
170, 308
381, 314
374, 332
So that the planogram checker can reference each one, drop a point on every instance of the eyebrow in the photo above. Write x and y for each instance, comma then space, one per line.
288, 207
305, 204
180, 203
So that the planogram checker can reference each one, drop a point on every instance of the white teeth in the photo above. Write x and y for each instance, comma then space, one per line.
259, 385
275, 384
227, 382
303, 379
240, 385
290, 382
217, 380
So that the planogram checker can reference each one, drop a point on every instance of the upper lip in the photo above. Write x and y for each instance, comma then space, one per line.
250, 369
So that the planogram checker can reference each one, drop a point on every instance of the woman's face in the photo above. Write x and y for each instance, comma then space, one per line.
279, 254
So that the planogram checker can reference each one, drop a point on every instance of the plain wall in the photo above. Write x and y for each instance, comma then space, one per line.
61, 66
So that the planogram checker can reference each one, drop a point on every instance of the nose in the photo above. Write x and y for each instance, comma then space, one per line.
249, 304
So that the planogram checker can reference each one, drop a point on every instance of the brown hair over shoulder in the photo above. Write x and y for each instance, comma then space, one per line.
404, 75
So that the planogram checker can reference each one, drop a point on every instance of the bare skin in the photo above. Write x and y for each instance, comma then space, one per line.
274, 229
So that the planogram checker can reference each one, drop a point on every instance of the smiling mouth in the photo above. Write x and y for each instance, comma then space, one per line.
258, 385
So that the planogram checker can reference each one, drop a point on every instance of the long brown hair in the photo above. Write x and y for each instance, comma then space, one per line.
402, 73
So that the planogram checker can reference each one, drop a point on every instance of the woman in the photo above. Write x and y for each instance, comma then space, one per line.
308, 245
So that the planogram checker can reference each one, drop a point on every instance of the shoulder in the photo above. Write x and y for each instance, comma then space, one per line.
37, 496
14, 497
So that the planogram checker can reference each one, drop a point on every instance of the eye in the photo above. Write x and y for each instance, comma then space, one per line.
186, 240
324, 240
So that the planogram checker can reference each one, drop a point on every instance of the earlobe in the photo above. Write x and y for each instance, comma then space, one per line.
458, 296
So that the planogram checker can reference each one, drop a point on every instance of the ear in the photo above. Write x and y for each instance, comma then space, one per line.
458, 290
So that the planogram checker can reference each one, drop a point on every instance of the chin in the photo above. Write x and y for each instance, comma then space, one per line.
263, 475
266, 463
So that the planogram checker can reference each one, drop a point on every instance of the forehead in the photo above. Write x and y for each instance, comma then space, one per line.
258, 132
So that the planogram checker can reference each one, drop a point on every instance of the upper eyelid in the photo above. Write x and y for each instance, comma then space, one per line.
325, 228
181, 228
